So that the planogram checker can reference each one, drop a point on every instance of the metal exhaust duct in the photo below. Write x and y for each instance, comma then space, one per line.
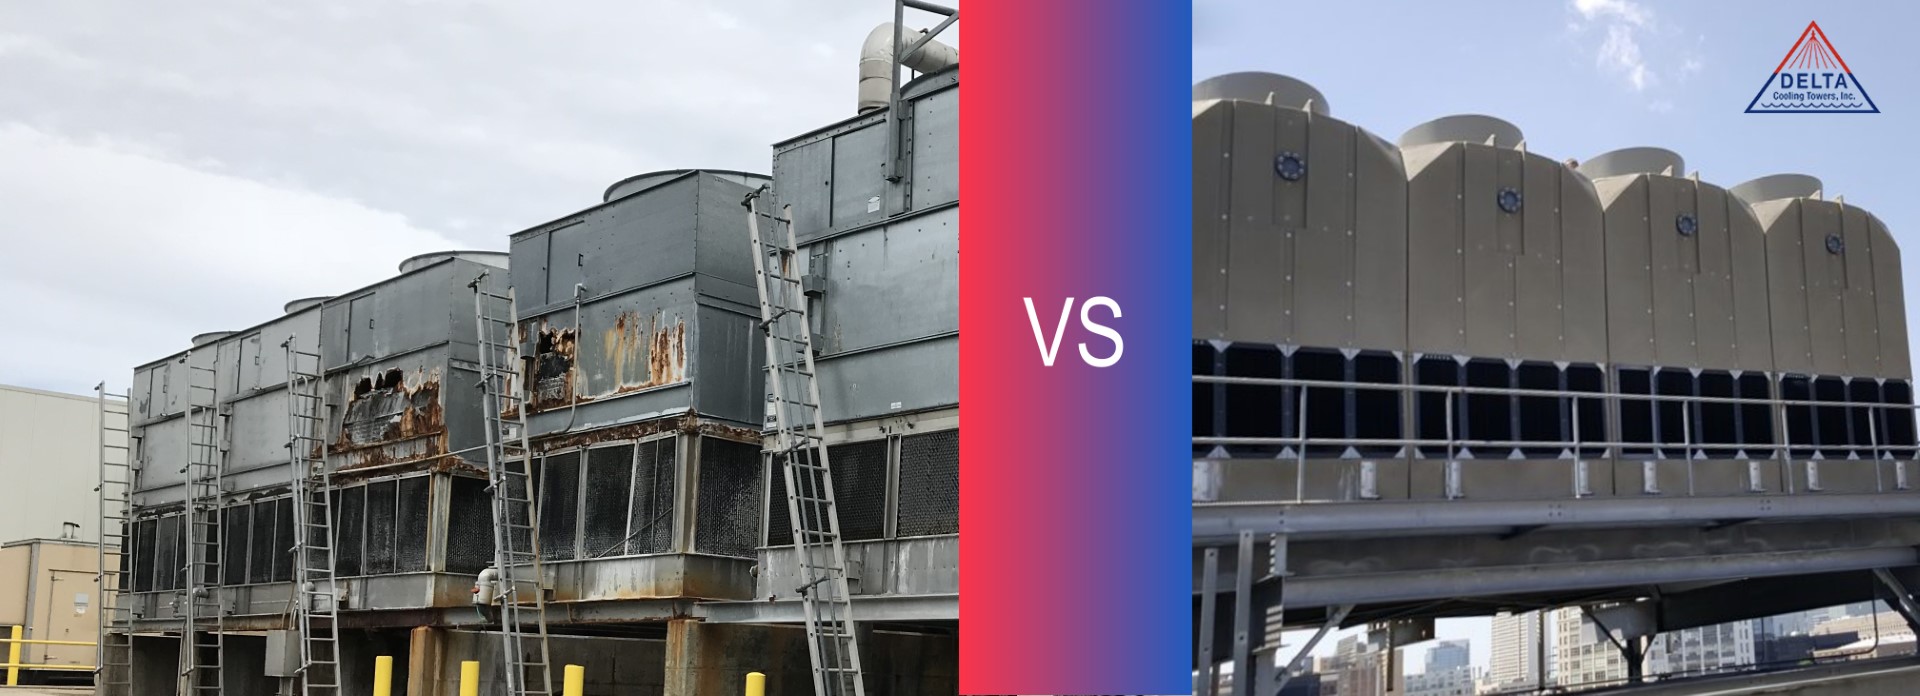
306, 303
1778, 186
1634, 160
876, 63
1464, 128
1263, 88
210, 337
496, 259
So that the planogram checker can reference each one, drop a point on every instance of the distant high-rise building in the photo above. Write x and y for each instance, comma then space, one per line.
1515, 660
1583, 655
1703, 650
1449, 671
1449, 654
1358, 667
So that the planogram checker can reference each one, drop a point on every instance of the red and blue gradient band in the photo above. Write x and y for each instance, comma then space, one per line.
1075, 493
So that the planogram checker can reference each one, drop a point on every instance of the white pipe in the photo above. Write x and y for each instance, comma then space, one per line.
876, 63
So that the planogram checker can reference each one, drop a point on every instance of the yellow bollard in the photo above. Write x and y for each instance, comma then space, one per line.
756, 684
470, 678
576, 683
383, 676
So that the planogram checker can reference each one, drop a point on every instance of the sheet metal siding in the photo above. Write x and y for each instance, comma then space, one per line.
423, 319
889, 254
1677, 300
833, 176
655, 265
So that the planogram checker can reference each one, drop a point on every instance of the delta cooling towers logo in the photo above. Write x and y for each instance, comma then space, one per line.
1812, 79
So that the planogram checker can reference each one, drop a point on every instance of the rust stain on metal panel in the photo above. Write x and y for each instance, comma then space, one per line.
645, 352
688, 424
392, 417
553, 367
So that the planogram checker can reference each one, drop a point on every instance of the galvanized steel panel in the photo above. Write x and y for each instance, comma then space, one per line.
1212, 172
889, 284
804, 178
859, 189
935, 148
912, 377
728, 365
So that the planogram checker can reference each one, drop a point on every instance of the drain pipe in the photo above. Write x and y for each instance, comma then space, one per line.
876, 62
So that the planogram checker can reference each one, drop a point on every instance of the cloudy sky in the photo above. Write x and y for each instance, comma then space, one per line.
170, 171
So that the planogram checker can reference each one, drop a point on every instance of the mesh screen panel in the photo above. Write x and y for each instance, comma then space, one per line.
779, 524
518, 538
234, 545
559, 505
410, 533
469, 526
350, 523
260, 542
929, 484
729, 507
167, 554
1800, 417
283, 540
143, 555
381, 500
609, 480
651, 522
860, 488
1431, 409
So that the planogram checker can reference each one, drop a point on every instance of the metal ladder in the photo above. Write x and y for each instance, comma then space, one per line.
516, 549
795, 418
113, 656
316, 605
203, 640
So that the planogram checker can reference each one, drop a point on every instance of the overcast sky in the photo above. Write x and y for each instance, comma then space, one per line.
170, 171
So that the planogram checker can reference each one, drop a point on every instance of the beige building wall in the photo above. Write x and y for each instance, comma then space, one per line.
47, 587
49, 463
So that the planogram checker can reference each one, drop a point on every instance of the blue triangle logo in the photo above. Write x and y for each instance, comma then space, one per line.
1812, 79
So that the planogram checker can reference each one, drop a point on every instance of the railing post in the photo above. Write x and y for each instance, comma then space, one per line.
13, 657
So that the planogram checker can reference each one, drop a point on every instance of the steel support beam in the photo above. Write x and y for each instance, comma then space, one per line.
1221, 523
1902, 599
940, 607
1333, 590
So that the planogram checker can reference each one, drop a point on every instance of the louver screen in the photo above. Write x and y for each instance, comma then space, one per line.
729, 507
929, 484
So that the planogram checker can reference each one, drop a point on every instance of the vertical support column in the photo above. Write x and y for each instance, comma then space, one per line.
1203, 681
426, 653
1635, 651
1243, 618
